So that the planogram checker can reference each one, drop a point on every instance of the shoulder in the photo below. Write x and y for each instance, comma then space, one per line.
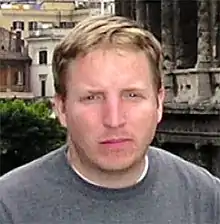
28, 175
191, 183
190, 174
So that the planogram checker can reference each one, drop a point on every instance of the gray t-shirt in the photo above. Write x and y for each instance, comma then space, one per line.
47, 190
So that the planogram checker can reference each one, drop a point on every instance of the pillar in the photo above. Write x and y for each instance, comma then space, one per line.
167, 34
218, 33
102, 7
27, 77
141, 13
213, 24
204, 29
154, 17
9, 79
178, 43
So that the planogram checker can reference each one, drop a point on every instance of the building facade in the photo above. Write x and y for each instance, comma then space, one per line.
14, 66
25, 17
41, 44
41, 25
98, 7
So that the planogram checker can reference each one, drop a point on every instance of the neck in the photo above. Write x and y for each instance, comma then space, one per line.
103, 178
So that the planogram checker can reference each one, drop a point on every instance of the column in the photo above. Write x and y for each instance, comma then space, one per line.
141, 13
20, 81
102, 7
214, 31
218, 33
205, 49
154, 17
167, 34
27, 77
178, 43
204, 30
9, 79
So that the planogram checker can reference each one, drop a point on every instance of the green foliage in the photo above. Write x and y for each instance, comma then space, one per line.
27, 131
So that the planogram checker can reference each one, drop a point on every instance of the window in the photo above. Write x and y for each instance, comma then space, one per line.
42, 57
18, 25
67, 24
43, 87
32, 26
43, 78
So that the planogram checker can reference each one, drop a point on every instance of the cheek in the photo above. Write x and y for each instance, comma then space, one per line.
143, 114
143, 122
83, 121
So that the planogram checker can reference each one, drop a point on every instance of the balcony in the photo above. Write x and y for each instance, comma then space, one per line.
13, 88
57, 32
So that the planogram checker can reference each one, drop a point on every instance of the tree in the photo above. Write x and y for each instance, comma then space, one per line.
27, 132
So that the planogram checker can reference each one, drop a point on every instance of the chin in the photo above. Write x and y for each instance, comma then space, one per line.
117, 165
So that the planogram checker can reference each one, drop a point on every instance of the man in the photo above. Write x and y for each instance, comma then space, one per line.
109, 96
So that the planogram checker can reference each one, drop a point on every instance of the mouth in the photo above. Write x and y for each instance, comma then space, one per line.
115, 141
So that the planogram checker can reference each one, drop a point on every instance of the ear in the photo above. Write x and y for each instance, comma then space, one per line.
60, 110
160, 97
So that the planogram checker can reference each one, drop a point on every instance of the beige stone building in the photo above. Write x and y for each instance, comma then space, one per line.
27, 17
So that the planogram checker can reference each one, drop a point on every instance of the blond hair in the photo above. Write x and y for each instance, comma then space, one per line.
98, 31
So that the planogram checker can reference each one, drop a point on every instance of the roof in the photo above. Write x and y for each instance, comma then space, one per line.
17, 56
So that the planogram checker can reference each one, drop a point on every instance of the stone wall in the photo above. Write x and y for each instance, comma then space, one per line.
7, 42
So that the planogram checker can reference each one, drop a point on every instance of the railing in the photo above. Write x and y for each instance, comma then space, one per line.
13, 88
49, 32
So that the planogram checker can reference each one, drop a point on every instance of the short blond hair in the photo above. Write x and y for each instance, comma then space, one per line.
98, 31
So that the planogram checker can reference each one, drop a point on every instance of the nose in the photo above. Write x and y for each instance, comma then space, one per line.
113, 114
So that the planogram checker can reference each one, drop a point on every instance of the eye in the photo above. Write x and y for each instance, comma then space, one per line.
91, 98
132, 95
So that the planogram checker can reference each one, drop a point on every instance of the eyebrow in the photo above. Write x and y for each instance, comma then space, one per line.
101, 92
92, 89
135, 89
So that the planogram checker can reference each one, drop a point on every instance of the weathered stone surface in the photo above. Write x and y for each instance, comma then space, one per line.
204, 34
218, 34
178, 42
216, 88
141, 13
7, 40
193, 86
167, 33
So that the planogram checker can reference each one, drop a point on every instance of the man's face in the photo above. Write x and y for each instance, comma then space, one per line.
111, 108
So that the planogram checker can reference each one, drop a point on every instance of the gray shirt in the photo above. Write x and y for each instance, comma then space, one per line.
47, 190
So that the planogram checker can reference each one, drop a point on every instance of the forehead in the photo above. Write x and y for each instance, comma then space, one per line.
110, 68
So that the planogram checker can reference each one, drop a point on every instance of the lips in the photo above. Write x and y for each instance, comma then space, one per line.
115, 141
